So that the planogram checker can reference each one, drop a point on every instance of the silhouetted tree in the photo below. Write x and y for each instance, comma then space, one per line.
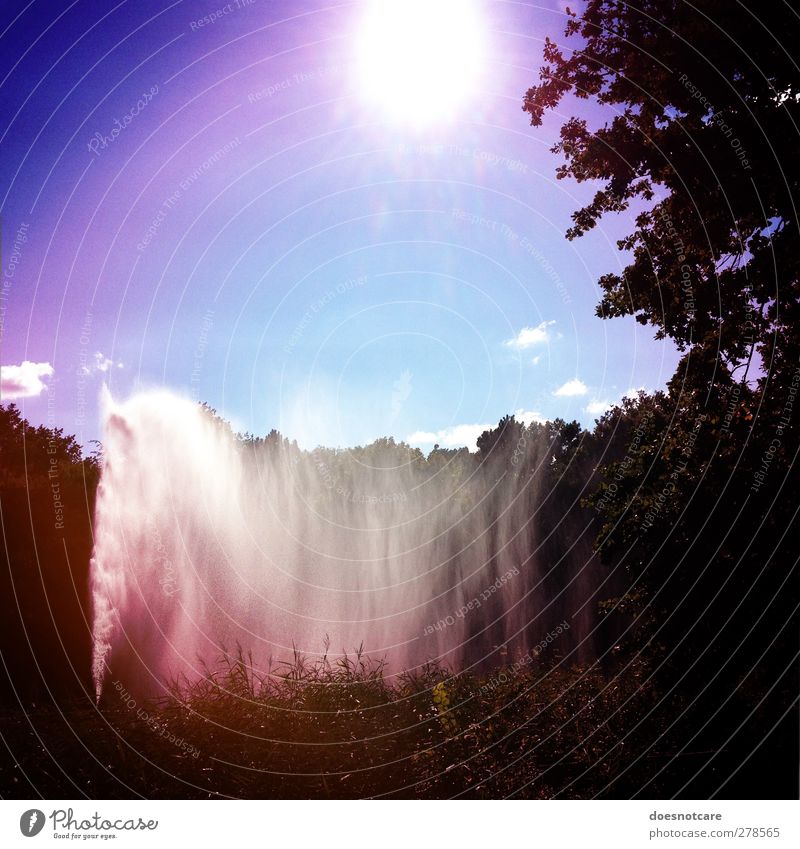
701, 106
47, 492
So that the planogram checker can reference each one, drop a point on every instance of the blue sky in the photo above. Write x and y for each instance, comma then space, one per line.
225, 208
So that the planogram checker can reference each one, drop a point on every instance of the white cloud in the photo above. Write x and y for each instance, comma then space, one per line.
530, 336
536, 360
100, 363
528, 416
467, 434
451, 437
571, 388
633, 392
597, 408
23, 381
423, 437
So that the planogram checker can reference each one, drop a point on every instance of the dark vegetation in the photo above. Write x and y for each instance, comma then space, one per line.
686, 689
338, 730
692, 493
47, 491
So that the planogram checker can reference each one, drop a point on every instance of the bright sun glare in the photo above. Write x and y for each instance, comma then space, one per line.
419, 60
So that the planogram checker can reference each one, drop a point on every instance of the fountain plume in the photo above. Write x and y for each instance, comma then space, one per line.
205, 541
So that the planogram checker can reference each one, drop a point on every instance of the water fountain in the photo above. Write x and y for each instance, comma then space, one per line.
204, 542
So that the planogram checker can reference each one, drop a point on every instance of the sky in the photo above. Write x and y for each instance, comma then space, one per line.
332, 219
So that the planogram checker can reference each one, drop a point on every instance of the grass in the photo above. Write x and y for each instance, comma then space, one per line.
343, 729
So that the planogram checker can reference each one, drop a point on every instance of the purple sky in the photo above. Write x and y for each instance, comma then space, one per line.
216, 207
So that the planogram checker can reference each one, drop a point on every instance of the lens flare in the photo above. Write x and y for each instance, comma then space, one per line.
419, 62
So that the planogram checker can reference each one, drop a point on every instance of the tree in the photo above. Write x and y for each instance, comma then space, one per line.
702, 134
47, 492
699, 109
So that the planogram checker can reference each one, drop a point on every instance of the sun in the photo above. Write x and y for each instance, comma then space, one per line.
420, 60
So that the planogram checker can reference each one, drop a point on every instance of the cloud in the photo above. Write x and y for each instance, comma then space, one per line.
530, 336
23, 381
597, 408
100, 363
423, 437
571, 388
528, 416
451, 437
535, 361
633, 392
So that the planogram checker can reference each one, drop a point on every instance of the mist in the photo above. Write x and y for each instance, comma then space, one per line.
206, 541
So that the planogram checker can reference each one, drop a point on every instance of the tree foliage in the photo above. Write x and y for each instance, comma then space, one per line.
701, 136
691, 122
47, 491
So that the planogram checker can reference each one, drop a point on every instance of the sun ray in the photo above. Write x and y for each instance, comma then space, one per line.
420, 60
